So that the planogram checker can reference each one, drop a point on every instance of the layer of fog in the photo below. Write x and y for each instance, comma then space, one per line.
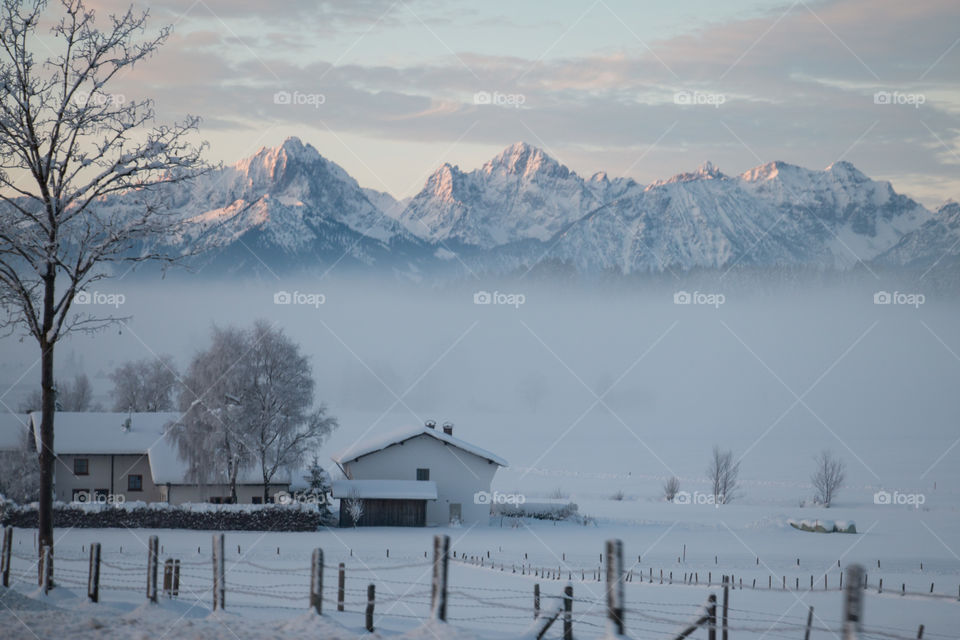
618, 384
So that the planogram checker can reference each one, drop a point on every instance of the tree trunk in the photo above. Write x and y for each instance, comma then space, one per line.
48, 407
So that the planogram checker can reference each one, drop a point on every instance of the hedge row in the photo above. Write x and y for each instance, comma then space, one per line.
265, 518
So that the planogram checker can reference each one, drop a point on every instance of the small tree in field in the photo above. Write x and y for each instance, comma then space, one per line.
354, 507
827, 477
670, 488
67, 149
724, 475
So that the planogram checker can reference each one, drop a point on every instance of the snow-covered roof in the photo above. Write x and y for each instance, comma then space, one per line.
12, 428
365, 448
386, 489
104, 433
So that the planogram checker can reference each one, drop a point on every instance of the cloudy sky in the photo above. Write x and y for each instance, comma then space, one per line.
391, 89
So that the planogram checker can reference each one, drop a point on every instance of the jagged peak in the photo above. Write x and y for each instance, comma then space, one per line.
844, 169
706, 171
600, 177
521, 158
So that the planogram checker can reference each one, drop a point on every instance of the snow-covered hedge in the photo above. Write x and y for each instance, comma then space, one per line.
537, 510
219, 517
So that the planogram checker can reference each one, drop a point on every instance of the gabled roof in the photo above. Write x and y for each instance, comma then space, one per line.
385, 489
106, 433
359, 450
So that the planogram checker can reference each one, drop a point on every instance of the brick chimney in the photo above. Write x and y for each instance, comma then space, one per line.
448, 428
430, 424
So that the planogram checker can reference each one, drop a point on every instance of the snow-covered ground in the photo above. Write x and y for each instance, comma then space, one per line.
268, 577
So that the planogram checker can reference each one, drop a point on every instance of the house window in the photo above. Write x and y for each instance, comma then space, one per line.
134, 483
257, 499
101, 495
423, 474
81, 495
81, 466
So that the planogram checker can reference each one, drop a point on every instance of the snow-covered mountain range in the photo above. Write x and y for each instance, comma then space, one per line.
289, 207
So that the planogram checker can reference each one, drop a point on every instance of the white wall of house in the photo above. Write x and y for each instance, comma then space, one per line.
458, 474
98, 477
180, 493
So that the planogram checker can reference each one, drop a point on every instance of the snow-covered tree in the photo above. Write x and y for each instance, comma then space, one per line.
724, 475
70, 396
248, 403
354, 507
827, 477
67, 146
670, 488
320, 487
19, 470
145, 385
210, 434
277, 403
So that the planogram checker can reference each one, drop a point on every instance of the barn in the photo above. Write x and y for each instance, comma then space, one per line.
421, 476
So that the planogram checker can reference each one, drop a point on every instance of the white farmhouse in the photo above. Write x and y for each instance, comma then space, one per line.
416, 477
109, 456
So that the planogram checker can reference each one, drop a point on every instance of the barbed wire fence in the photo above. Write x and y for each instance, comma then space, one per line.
213, 582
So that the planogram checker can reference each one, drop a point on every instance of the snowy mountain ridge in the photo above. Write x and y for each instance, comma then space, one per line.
289, 207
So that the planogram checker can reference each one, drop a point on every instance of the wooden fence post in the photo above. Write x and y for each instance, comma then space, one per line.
615, 586
371, 596
176, 578
726, 603
153, 548
853, 603
712, 617
341, 585
93, 577
219, 588
568, 612
806, 634
536, 600
920, 633
168, 577
5, 555
46, 568
316, 581
441, 562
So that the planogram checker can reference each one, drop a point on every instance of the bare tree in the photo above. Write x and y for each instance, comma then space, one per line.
67, 148
827, 477
724, 475
354, 506
277, 403
145, 385
75, 396
209, 435
670, 488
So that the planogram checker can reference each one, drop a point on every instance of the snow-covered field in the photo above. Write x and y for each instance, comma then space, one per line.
268, 576
586, 394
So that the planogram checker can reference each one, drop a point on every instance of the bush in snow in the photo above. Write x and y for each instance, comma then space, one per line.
537, 510
670, 488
